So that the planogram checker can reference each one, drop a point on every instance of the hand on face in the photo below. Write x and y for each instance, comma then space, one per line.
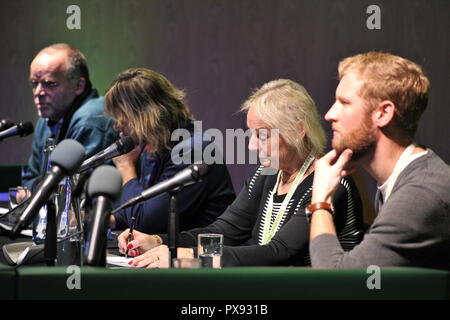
328, 172
126, 164
128, 159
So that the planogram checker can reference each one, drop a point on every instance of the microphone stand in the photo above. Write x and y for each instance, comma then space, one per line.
173, 226
50, 235
76, 200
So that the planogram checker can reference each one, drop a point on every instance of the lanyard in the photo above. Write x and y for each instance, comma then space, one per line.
270, 232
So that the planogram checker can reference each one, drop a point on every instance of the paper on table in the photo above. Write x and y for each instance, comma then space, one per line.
118, 260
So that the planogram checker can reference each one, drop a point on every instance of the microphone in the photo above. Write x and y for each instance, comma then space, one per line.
65, 160
21, 129
6, 124
191, 174
105, 184
121, 146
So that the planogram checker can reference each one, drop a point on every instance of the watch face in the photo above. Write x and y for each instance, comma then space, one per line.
308, 210
308, 214
317, 206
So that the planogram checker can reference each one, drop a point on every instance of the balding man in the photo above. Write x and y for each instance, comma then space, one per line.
67, 104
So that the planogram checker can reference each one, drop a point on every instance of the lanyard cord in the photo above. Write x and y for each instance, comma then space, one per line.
268, 231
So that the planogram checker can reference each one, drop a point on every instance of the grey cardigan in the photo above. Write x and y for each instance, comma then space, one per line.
411, 229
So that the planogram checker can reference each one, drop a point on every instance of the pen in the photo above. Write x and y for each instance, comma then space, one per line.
130, 234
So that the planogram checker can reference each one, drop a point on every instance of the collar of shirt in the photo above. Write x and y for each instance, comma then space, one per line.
55, 126
406, 158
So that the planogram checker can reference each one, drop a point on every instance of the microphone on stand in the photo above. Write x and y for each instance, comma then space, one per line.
105, 184
65, 160
6, 124
121, 146
21, 129
189, 175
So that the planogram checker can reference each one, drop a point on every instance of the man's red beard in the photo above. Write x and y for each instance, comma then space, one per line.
360, 141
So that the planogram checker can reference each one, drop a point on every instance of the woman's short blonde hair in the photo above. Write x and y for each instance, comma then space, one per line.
147, 103
286, 105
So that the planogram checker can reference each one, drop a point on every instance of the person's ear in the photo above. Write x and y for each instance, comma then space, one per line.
302, 133
81, 84
301, 130
384, 113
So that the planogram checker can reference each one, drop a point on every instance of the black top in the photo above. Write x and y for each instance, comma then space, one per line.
242, 224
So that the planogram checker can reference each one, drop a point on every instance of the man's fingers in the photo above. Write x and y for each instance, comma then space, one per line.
330, 156
344, 158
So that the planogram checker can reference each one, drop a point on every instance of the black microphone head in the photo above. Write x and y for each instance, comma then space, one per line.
6, 124
199, 170
25, 128
105, 181
125, 144
68, 154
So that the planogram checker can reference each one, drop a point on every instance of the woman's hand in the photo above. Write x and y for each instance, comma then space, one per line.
126, 164
157, 257
141, 242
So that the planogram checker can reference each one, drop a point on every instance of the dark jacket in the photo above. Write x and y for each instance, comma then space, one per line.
87, 125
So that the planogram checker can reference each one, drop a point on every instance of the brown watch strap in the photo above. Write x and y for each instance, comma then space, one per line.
320, 205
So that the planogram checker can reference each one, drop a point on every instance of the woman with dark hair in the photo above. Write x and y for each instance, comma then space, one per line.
148, 108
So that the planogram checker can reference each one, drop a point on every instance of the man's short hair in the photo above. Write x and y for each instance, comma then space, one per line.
77, 67
390, 77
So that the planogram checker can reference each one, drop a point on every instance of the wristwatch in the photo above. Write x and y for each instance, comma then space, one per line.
316, 206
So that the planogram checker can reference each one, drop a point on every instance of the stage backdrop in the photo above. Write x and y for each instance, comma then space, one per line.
219, 51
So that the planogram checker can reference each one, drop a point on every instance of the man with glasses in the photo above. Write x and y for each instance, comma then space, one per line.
67, 104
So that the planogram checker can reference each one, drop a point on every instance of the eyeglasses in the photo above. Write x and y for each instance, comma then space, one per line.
46, 84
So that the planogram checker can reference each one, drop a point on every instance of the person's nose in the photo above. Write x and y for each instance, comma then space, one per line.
39, 90
253, 143
331, 114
